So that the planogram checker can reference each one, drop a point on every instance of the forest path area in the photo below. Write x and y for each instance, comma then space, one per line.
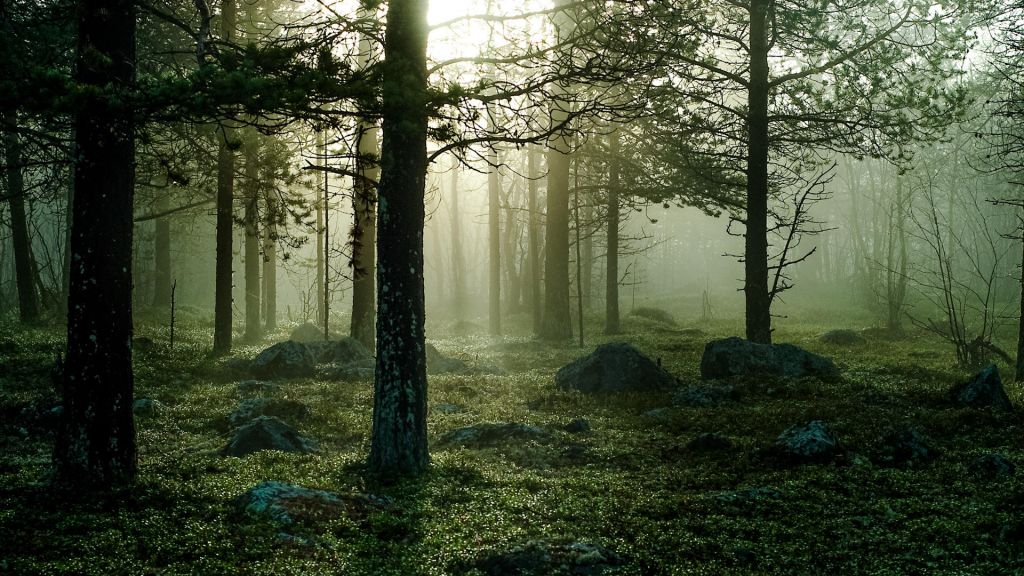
563, 482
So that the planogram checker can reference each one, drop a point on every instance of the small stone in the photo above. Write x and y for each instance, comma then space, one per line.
280, 407
704, 395
577, 426
490, 434
614, 367
267, 433
984, 390
905, 447
290, 504
147, 407
658, 414
807, 443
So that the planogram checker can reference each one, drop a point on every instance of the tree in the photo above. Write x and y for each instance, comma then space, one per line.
95, 445
223, 306
398, 443
252, 258
28, 300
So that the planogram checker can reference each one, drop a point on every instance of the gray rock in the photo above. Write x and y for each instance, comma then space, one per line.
992, 466
737, 357
984, 390
257, 387
438, 363
290, 504
445, 408
490, 434
842, 337
577, 426
345, 351
807, 443
146, 407
905, 447
267, 433
614, 367
539, 558
704, 395
709, 442
307, 332
278, 407
284, 360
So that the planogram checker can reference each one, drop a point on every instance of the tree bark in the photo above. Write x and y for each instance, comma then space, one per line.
494, 242
223, 306
95, 444
398, 445
533, 172
758, 300
253, 261
28, 299
458, 265
270, 267
611, 309
364, 223
1019, 373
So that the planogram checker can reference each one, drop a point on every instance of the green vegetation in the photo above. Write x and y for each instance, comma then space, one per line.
629, 484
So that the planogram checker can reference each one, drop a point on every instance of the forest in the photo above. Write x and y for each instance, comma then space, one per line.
698, 287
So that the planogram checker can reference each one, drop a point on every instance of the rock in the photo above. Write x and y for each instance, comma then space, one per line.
541, 558
614, 367
278, 407
291, 504
255, 387
992, 466
661, 414
490, 434
806, 444
737, 357
445, 408
307, 332
345, 351
709, 442
438, 363
704, 395
146, 407
843, 337
577, 426
284, 360
352, 374
267, 433
656, 314
984, 390
905, 447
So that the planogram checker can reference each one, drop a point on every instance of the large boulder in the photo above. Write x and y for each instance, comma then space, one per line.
438, 363
267, 433
808, 443
307, 332
614, 367
984, 390
345, 351
737, 357
284, 360
291, 504
490, 434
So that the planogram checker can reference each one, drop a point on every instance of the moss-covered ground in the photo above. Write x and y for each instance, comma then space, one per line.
630, 484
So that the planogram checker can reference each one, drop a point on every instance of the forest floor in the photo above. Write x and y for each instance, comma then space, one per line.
630, 484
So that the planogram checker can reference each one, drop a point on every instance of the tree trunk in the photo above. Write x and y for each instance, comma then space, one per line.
398, 445
95, 444
320, 239
611, 309
758, 300
364, 224
253, 261
223, 307
458, 265
162, 256
557, 324
494, 242
28, 300
270, 267
1019, 373
533, 172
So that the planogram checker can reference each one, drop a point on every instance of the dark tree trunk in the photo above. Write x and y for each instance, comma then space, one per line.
320, 268
398, 445
611, 308
1019, 374
69, 199
270, 267
223, 308
95, 444
458, 266
253, 261
364, 237
758, 300
28, 299
494, 244
533, 171
557, 324
162, 257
